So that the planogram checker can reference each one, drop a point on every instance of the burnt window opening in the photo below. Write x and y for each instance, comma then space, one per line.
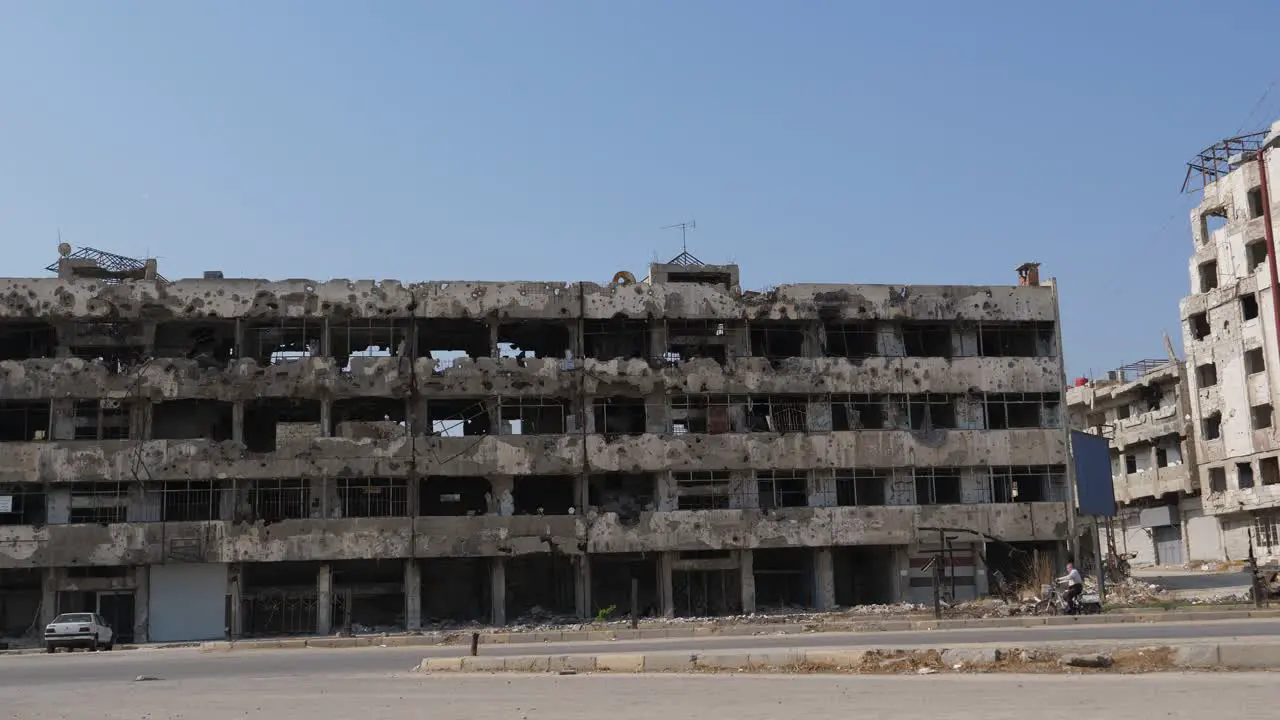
1217, 480
619, 416
1211, 221
26, 504
699, 414
191, 500
615, 339
1249, 306
459, 417
98, 503
24, 420
1211, 426
937, 486
387, 415
101, 420
1254, 362
1017, 339
868, 412
449, 496
272, 422
1162, 457
1028, 483
1023, 410
445, 340
928, 411
373, 497
861, 486
191, 420
369, 338
1260, 416
212, 343
778, 413
697, 340
1198, 324
536, 339
1130, 463
1155, 397
1269, 470
923, 339
1207, 375
626, 494
702, 490
24, 340
1122, 411
1254, 199
778, 340
852, 340
533, 415
543, 495
782, 488
1244, 475
1255, 252
282, 341
1208, 276
279, 499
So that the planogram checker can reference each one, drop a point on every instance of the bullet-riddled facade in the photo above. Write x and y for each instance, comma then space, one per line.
1229, 334
247, 457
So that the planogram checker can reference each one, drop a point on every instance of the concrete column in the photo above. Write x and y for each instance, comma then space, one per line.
63, 420
493, 339
234, 591
582, 586
666, 587
141, 602
822, 488
49, 594
419, 420
501, 488
657, 413
326, 418
237, 421
412, 595
981, 586
747, 571
665, 498
824, 578
324, 600
57, 505
326, 339
140, 420
498, 591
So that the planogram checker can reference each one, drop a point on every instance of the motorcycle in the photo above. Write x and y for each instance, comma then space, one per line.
1052, 602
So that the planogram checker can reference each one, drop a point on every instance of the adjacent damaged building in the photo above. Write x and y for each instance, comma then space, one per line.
1229, 326
218, 456
1143, 409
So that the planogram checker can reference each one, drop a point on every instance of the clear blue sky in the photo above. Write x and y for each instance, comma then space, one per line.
934, 142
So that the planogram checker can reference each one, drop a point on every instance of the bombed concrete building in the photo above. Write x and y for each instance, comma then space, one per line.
1229, 332
1143, 409
209, 457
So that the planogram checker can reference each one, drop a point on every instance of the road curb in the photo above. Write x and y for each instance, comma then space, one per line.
1129, 656
744, 630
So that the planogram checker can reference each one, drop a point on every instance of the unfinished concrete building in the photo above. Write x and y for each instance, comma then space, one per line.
1229, 331
1143, 409
243, 457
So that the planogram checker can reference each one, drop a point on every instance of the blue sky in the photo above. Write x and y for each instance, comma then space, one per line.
934, 142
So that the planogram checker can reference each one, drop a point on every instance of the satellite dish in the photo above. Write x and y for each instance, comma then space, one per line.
64, 249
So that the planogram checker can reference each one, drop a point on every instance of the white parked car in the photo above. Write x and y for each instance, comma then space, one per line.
83, 630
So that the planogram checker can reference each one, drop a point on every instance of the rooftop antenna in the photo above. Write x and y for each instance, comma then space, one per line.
684, 258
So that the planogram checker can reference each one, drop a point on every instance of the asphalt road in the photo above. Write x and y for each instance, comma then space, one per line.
671, 697
190, 663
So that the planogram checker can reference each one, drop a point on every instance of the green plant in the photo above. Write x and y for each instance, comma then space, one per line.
603, 613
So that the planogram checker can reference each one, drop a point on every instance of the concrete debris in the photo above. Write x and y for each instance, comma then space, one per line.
1098, 660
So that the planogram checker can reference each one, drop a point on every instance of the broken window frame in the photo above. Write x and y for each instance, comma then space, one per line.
459, 417
510, 332
778, 489
282, 341
102, 419
188, 500
27, 340
600, 410
1048, 405
681, 337
937, 411
447, 340
1005, 339
1217, 477
601, 342
776, 340
28, 502
372, 497
532, 410
272, 500
32, 413
923, 338
1009, 483
1266, 529
703, 489
932, 478
100, 503
857, 411
781, 414
375, 337
853, 339
853, 487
